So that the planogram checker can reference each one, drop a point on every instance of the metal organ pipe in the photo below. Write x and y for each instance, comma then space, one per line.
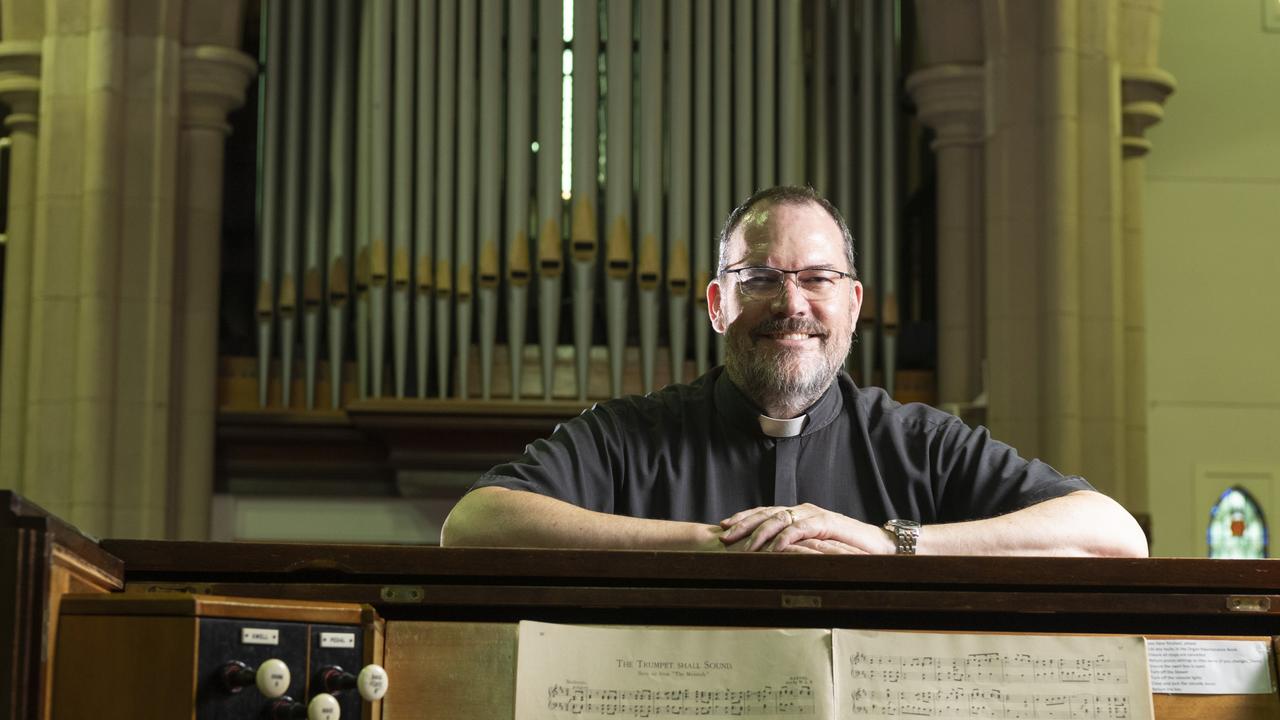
446, 106
619, 257
317, 134
424, 189
269, 232
867, 320
519, 45
703, 226
464, 265
294, 138
680, 166
889, 183
380, 196
340, 177
649, 275
489, 191
550, 252
402, 188
582, 229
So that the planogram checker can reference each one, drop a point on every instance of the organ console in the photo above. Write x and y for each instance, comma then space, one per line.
443, 622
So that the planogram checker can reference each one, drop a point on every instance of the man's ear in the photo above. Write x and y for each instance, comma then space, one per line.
857, 301
714, 311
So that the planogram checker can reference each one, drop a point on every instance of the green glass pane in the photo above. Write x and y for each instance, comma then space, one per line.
1237, 526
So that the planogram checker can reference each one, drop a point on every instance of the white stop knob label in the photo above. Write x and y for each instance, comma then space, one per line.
372, 682
323, 707
273, 678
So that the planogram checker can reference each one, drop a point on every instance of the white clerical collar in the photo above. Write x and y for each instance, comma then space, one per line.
774, 427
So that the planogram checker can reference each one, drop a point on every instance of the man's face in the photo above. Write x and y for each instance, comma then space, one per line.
789, 347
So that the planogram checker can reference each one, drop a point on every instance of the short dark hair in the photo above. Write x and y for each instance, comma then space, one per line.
784, 195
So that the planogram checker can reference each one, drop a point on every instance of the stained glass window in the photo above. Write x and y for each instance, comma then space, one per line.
1237, 527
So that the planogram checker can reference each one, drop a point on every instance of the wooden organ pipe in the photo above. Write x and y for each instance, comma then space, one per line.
464, 264
889, 185
680, 166
317, 135
269, 232
380, 196
446, 119
724, 121
402, 160
867, 320
293, 140
550, 252
649, 271
519, 70
791, 92
766, 93
424, 189
340, 181
364, 129
489, 191
582, 228
703, 225
619, 258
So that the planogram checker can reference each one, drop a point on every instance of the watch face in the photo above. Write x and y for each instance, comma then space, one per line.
905, 523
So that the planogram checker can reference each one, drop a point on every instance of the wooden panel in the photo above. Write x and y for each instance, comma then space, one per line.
159, 560
41, 558
123, 668
69, 573
451, 670
1207, 707
375, 633
185, 605
445, 669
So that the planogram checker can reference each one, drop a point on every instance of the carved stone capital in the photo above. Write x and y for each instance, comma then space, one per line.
213, 84
20, 82
950, 99
1143, 93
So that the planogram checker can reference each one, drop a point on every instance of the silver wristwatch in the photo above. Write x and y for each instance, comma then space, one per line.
906, 533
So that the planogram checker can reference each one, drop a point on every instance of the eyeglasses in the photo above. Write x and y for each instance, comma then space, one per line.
764, 283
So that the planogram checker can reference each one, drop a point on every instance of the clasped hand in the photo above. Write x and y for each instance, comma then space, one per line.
803, 528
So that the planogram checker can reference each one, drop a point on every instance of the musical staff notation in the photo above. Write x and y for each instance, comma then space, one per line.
793, 698
988, 668
984, 704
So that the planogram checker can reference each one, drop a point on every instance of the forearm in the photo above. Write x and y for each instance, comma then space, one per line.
1080, 524
497, 517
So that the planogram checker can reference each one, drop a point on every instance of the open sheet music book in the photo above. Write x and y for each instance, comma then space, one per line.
571, 671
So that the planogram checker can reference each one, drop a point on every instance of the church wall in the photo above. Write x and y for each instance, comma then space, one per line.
1213, 193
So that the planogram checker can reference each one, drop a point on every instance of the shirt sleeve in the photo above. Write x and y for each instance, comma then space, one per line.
576, 464
978, 477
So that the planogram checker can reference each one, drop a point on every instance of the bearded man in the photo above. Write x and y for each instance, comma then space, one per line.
778, 450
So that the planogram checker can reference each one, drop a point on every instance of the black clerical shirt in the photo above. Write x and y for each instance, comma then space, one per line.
697, 452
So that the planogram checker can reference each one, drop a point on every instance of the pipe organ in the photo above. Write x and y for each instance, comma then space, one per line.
514, 200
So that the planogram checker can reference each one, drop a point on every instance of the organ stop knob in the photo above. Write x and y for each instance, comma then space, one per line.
371, 682
271, 677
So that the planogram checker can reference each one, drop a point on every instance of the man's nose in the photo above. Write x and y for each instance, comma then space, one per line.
790, 299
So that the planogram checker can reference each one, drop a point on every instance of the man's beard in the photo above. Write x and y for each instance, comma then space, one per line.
778, 378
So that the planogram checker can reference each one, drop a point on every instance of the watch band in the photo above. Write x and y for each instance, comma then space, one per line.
906, 533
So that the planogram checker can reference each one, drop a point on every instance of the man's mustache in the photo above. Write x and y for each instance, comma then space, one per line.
790, 325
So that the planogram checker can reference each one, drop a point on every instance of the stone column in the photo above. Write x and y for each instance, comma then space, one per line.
1013, 184
1055, 290
1144, 88
949, 93
213, 83
949, 98
20, 92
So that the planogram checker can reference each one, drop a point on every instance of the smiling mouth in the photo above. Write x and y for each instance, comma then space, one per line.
789, 337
